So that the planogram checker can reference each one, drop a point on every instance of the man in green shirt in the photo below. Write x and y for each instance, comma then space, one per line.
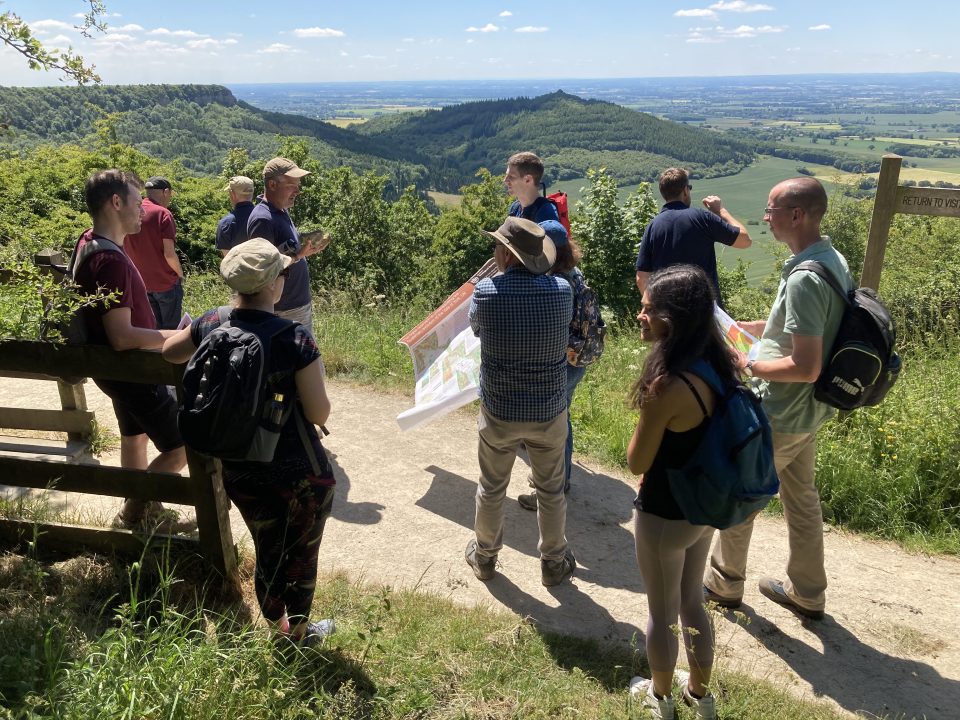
794, 343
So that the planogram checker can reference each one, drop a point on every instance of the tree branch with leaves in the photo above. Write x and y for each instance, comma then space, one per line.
16, 34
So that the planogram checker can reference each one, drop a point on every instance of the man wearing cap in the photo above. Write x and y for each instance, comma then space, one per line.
127, 323
522, 318
270, 219
153, 251
232, 228
684, 234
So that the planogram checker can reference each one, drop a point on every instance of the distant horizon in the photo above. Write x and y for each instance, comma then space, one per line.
183, 41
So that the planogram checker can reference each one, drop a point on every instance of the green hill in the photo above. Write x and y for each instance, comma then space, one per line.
195, 124
569, 133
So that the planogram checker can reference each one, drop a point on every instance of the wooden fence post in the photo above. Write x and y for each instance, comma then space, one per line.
884, 207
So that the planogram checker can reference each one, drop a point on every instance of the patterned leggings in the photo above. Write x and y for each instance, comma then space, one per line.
286, 519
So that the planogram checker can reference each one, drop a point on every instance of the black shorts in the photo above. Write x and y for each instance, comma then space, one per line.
150, 409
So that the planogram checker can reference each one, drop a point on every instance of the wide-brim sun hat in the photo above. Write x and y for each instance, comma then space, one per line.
528, 242
253, 265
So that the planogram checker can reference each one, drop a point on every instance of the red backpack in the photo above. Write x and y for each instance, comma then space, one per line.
559, 200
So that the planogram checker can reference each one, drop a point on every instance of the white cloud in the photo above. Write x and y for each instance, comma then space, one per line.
489, 27
210, 43
408, 40
816, 28
42, 26
57, 41
701, 39
131, 27
158, 45
740, 6
506, 13
276, 48
344, 53
372, 57
695, 12
531, 29
470, 41
176, 33
115, 37
317, 32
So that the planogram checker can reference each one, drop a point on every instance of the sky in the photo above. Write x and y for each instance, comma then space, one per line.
172, 41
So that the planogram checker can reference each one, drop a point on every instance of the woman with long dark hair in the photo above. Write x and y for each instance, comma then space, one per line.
674, 403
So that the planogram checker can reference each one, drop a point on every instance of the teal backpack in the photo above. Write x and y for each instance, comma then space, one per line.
730, 475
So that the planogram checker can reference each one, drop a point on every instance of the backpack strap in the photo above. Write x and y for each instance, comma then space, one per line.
696, 394
818, 269
704, 370
307, 445
96, 244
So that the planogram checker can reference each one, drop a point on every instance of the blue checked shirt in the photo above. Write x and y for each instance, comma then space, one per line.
523, 322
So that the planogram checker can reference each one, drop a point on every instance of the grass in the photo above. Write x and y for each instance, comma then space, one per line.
89, 638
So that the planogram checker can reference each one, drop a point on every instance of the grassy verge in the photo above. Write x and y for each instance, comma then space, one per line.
86, 638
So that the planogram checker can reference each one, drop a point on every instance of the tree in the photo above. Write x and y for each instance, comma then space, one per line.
16, 34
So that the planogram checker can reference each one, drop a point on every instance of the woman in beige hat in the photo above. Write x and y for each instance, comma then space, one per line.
285, 502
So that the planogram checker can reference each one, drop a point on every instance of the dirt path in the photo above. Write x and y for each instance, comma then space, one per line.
404, 511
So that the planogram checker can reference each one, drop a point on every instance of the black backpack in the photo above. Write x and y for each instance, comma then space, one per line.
231, 409
862, 365
73, 329
730, 475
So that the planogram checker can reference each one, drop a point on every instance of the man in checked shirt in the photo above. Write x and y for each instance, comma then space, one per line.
522, 318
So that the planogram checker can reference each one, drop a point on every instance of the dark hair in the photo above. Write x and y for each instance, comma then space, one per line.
683, 298
806, 193
103, 185
527, 163
568, 257
673, 181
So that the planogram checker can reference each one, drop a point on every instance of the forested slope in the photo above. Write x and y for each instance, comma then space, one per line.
569, 133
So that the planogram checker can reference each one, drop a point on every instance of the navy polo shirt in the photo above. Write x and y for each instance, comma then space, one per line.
682, 234
275, 225
232, 228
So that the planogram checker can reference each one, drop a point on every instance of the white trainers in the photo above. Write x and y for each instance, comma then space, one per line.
706, 707
660, 708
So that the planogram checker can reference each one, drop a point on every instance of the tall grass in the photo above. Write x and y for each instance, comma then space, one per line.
89, 639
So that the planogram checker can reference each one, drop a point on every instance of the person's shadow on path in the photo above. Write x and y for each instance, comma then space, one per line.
361, 513
596, 507
570, 631
859, 677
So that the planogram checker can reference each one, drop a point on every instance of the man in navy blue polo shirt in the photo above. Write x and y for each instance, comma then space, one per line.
270, 219
682, 234
232, 228
522, 318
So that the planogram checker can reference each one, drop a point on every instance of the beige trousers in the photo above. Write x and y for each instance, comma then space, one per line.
497, 451
795, 457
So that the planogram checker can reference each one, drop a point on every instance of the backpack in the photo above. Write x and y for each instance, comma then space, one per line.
230, 408
862, 365
587, 329
73, 329
730, 475
559, 200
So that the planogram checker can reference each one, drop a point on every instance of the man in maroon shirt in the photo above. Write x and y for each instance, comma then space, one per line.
153, 251
126, 323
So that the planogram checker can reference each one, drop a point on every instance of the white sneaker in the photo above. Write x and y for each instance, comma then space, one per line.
706, 707
660, 708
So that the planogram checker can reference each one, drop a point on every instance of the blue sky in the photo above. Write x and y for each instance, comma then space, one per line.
169, 41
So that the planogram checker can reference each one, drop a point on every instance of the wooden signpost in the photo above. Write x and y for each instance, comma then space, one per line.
894, 198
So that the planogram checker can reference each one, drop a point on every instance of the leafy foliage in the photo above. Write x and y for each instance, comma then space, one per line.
609, 236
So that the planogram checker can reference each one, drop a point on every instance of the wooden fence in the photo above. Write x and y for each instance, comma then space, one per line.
202, 488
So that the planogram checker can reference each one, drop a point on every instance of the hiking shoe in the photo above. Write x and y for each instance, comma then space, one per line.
706, 707
772, 589
727, 603
528, 502
554, 572
483, 567
641, 688
317, 632
156, 519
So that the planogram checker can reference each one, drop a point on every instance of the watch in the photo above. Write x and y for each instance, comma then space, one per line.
748, 368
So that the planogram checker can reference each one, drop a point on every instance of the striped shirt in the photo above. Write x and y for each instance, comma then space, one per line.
522, 321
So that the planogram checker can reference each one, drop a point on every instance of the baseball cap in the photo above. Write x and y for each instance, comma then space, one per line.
281, 166
252, 265
240, 184
158, 182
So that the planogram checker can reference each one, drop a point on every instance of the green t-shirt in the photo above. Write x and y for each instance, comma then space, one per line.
805, 305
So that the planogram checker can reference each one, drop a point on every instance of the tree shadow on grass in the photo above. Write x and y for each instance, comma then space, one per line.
859, 677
